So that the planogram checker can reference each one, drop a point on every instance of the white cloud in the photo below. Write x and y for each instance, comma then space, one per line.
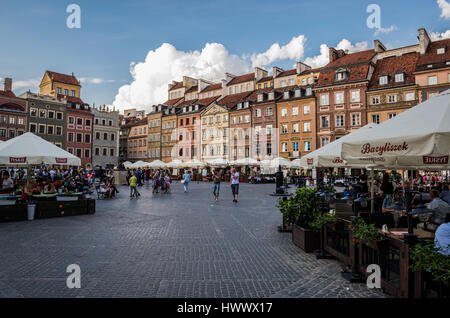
439, 36
294, 50
323, 58
445, 9
386, 30
164, 64
95, 80
31, 84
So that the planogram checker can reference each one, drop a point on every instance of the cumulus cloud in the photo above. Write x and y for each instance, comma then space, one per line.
95, 80
323, 58
445, 9
294, 50
439, 36
386, 30
31, 83
164, 64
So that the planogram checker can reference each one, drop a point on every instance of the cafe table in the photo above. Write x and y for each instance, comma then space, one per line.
399, 233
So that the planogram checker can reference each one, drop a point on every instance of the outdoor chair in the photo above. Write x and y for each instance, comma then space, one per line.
100, 194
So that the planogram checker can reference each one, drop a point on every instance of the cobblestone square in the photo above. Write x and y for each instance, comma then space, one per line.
168, 245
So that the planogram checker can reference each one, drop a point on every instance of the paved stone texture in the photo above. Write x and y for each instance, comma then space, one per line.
170, 245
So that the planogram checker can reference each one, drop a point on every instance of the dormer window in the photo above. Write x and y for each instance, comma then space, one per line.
246, 104
308, 91
239, 106
184, 109
196, 107
271, 95
297, 92
286, 95
310, 80
341, 75
383, 80
260, 97
399, 77
440, 50
304, 81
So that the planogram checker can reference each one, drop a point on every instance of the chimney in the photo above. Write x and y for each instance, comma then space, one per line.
276, 71
424, 41
224, 87
378, 46
8, 84
301, 67
260, 73
336, 54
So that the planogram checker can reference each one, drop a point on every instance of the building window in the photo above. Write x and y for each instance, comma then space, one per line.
50, 130
284, 129
59, 115
79, 121
325, 141
70, 136
283, 83
12, 120
283, 112
355, 97
383, 80
399, 77
340, 121
324, 100
42, 113
87, 138
306, 110
440, 50
66, 92
71, 120
286, 95
269, 130
392, 98
105, 136
391, 115
257, 112
295, 146
59, 130
88, 122
41, 129
78, 152
33, 128
12, 134
294, 111
59, 90
375, 100
409, 96
72, 93
325, 122
432, 80
376, 118
87, 153
97, 151
295, 128
339, 98
307, 146
356, 119
284, 147
307, 126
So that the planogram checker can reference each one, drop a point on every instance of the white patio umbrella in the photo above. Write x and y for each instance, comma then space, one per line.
156, 164
174, 163
329, 156
29, 149
194, 163
126, 164
296, 164
276, 162
218, 162
416, 138
245, 162
139, 164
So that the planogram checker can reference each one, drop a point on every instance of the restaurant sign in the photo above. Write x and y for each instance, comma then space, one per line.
61, 160
338, 160
17, 159
310, 161
435, 160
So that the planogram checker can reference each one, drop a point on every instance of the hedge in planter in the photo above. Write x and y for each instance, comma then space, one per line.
367, 234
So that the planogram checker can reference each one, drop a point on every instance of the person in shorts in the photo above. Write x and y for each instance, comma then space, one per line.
216, 180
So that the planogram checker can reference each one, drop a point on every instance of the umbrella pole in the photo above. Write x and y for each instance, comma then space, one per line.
372, 201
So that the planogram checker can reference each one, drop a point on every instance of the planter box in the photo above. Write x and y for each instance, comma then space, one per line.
16, 212
308, 240
66, 198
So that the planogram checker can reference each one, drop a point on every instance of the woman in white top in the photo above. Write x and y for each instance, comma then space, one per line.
234, 184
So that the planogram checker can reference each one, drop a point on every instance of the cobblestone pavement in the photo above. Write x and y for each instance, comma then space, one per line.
173, 245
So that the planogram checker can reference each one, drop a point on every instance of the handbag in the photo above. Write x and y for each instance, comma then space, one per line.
182, 181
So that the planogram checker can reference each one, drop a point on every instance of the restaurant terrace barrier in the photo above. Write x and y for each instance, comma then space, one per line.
47, 209
337, 241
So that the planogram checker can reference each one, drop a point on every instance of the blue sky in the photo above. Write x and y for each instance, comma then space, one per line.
115, 33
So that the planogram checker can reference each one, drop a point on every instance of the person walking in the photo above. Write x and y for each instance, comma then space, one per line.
216, 180
133, 189
186, 180
234, 184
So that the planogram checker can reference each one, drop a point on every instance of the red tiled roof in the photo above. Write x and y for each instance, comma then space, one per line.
7, 93
138, 123
71, 99
356, 63
405, 63
207, 101
211, 87
177, 85
187, 102
287, 73
313, 70
171, 102
431, 56
242, 78
63, 78
265, 79
231, 100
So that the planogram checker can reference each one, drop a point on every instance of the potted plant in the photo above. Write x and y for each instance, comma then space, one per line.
305, 211
287, 208
427, 258
318, 225
367, 234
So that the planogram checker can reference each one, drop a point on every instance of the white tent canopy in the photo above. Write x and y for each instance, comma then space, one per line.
276, 162
416, 138
329, 156
193, 163
29, 149
174, 163
245, 162
156, 164
218, 162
